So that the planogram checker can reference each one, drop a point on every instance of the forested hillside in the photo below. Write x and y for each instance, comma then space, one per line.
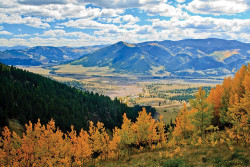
26, 97
216, 125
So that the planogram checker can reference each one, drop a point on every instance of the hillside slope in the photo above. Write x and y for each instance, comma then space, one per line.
43, 55
191, 57
26, 97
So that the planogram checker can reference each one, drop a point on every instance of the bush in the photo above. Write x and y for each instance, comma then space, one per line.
218, 161
173, 163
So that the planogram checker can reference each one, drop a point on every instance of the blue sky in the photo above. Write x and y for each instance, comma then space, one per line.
94, 22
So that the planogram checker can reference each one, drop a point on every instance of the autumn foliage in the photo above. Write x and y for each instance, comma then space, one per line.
227, 108
46, 145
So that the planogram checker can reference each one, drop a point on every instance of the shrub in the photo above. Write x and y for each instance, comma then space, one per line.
173, 163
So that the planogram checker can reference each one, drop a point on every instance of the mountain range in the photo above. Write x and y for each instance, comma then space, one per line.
190, 57
43, 55
18, 47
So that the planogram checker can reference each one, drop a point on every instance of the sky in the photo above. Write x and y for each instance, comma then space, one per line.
78, 23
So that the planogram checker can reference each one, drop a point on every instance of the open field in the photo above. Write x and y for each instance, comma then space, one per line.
166, 95
169, 112
36, 69
150, 101
78, 69
122, 91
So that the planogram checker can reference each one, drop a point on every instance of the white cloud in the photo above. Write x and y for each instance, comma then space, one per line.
7, 4
217, 7
5, 33
16, 19
111, 12
48, 19
166, 10
204, 23
152, 7
62, 33
180, 1
144, 30
71, 9
87, 24
115, 31
112, 22
129, 19
61, 41
118, 4
203, 27
41, 2
60, 27
22, 35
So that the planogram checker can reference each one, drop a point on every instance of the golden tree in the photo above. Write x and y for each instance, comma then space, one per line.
145, 128
239, 107
162, 136
80, 146
184, 128
9, 148
127, 136
215, 99
99, 140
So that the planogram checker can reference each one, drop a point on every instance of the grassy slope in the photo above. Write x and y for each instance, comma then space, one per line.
193, 156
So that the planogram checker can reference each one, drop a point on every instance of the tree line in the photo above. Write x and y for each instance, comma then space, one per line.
26, 96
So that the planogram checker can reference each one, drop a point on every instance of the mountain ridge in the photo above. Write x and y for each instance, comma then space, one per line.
208, 56
43, 55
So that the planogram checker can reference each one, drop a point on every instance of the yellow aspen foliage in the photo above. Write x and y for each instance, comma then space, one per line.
99, 140
54, 145
152, 147
227, 86
169, 154
80, 146
9, 148
237, 86
126, 134
239, 118
213, 137
222, 141
177, 150
29, 146
145, 129
245, 103
215, 99
46, 145
184, 127
199, 141
246, 97
114, 145
84, 148
162, 136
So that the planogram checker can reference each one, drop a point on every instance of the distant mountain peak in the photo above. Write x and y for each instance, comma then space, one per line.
189, 57
125, 44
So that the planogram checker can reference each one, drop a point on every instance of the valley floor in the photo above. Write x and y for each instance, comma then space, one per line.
166, 95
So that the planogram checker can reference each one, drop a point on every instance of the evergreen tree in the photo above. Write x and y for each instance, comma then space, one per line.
203, 115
